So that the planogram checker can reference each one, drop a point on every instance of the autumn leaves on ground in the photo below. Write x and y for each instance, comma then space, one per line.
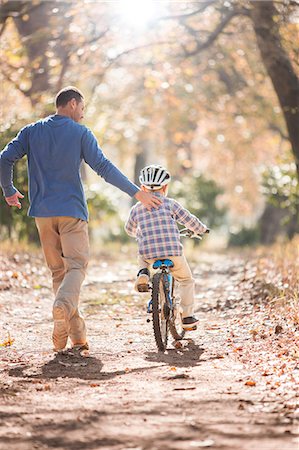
232, 384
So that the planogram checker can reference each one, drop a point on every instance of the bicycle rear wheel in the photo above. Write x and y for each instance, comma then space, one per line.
160, 312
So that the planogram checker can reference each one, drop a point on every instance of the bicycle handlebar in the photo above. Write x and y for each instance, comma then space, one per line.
188, 233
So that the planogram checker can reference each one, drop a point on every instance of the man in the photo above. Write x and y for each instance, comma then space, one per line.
55, 147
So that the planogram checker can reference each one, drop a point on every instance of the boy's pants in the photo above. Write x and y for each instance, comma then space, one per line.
65, 245
182, 274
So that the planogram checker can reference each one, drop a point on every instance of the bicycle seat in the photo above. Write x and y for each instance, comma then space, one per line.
162, 263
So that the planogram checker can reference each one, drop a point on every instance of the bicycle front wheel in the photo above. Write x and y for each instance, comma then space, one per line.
176, 324
160, 312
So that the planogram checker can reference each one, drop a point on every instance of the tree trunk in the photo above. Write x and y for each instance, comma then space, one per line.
37, 25
35, 35
279, 67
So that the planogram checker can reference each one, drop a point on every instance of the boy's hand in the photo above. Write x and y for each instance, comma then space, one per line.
13, 200
148, 199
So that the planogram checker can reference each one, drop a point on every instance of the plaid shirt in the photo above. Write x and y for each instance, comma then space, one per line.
156, 231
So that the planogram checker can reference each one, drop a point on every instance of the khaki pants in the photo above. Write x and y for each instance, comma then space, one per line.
182, 274
65, 245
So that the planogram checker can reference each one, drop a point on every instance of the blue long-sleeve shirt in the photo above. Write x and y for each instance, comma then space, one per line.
55, 147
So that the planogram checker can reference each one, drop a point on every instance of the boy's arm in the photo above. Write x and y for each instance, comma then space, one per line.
15, 150
184, 217
131, 225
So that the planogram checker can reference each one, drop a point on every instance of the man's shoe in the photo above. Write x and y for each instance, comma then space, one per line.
60, 334
190, 323
142, 283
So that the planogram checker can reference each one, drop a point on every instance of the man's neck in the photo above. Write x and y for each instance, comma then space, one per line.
62, 112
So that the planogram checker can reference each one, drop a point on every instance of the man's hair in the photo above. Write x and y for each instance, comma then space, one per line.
66, 94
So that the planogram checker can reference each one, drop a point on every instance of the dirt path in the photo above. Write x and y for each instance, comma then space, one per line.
210, 393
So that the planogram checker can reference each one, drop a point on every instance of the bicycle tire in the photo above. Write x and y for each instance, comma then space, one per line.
176, 322
160, 319
176, 328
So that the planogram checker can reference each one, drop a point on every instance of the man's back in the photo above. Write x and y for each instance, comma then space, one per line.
53, 148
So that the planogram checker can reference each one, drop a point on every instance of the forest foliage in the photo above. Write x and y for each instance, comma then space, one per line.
209, 89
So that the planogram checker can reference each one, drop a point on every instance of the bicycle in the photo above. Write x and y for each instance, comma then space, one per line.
164, 307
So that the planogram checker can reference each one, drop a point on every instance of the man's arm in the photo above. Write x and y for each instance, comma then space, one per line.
94, 157
149, 200
15, 150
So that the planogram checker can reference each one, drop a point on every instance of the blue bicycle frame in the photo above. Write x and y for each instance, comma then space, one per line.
164, 265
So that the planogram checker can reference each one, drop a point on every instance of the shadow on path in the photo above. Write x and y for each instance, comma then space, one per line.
66, 366
187, 356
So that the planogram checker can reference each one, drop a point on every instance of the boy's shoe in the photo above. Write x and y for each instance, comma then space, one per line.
80, 349
142, 283
190, 323
60, 334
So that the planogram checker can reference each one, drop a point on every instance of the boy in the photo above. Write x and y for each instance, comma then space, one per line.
158, 237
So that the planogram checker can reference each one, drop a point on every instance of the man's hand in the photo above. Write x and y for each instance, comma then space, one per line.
148, 199
14, 200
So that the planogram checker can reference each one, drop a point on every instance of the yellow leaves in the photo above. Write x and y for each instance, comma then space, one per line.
238, 349
178, 137
11, 274
254, 333
8, 342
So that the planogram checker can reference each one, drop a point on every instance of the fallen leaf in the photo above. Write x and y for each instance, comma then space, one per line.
185, 388
179, 375
278, 329
178, 344
8, 342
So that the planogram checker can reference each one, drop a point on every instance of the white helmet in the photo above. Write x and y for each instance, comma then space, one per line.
154, 177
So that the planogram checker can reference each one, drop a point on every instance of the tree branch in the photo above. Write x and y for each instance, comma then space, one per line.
140, 47
277, 129
200, 46
190, 14
16, 85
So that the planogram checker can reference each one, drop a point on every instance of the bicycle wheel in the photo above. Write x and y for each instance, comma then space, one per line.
176, 322
160, 312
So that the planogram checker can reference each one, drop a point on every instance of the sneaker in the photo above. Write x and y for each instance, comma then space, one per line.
190, 323
80, 349
142, 283
60, 334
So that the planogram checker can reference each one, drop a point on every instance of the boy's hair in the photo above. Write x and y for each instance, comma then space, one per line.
66, 94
